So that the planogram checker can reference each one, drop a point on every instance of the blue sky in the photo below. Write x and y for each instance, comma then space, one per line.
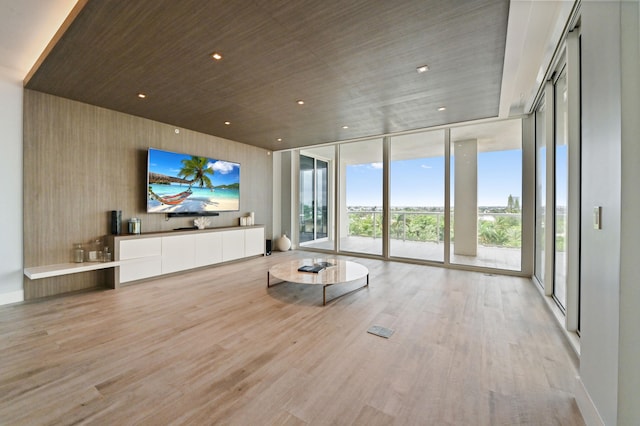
170, 163
420, 182
561, 175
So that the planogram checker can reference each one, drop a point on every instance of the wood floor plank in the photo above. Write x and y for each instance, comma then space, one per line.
216, 346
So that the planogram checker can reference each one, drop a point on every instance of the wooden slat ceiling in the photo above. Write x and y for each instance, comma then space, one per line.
352, 62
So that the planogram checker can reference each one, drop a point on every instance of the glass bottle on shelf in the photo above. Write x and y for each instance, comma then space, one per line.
78, 253
94, 252
98, 247
88, 251
106, 254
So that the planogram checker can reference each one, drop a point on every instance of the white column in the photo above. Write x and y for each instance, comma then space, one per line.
11, 274
465, 223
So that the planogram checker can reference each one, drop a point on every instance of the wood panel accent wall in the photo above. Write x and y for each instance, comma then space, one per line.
81, 162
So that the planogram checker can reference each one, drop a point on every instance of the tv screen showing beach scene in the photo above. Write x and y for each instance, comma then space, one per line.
182, 183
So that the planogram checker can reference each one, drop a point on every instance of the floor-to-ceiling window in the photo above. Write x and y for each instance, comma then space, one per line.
360, 205
416, 196
486, 195
483, 227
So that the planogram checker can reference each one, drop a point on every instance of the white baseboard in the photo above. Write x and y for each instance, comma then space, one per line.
11, 297
585, 404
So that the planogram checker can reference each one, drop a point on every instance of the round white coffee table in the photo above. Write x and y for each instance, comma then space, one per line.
331, 271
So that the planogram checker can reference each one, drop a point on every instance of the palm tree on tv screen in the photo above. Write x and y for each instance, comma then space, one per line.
196, 169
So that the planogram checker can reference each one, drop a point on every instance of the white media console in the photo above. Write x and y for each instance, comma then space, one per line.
136, 257
148, 255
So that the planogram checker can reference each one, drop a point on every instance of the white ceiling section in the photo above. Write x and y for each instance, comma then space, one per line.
533, 32
26, 27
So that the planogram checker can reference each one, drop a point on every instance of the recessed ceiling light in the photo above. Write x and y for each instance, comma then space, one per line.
227, 123
422, 68
442, 108
279, 139
216, 56
345, 127
300, 102
142, 95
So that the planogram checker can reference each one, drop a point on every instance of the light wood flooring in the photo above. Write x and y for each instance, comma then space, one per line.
215, 346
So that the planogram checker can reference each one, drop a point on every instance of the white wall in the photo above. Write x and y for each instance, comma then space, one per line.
11, 166
278, 206
610, 342
287, 185
601, 180
629, 358
27, 27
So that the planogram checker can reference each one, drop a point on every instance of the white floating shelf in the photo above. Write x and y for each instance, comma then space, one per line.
47, 271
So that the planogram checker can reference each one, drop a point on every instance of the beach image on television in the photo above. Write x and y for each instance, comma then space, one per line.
182, 183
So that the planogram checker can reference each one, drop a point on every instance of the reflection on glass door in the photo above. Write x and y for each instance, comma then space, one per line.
322, 200
541, 192
561, 189
313, 199
307, 197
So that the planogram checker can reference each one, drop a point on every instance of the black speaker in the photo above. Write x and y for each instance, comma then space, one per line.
116, 222
267, 252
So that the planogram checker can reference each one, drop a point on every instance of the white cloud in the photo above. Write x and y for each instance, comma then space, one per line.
424, 166
376, 165
222, 167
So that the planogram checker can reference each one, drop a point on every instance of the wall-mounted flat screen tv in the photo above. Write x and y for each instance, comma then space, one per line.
190, 184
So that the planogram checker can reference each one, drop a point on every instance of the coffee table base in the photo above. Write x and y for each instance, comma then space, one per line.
324, 289
334, 271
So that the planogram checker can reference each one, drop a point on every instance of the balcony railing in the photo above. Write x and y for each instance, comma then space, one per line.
494, 229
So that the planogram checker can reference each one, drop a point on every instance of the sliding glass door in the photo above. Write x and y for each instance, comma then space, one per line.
541, 192
314, 199
558, 164
561, 189
307, 199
